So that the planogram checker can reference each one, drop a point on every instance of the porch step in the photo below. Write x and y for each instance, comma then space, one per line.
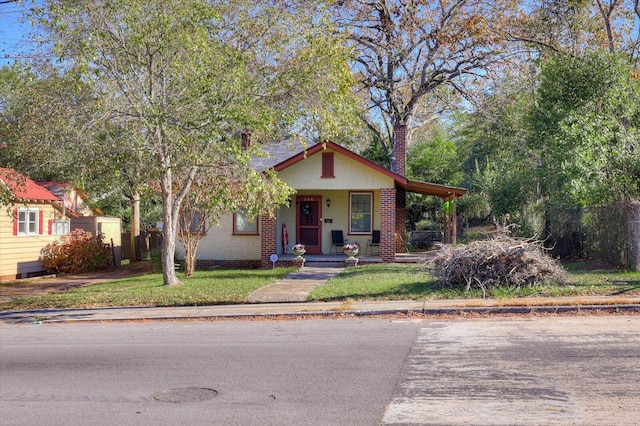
324, 264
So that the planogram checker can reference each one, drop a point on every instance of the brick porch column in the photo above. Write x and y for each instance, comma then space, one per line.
401, 219
388, 225
268, 239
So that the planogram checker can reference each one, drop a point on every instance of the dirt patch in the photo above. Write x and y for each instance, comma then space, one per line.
36, 286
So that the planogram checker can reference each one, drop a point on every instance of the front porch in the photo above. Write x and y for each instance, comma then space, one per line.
339, 259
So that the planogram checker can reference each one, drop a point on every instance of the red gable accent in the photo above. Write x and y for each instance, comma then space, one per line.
321, 146
327, 165
24, 188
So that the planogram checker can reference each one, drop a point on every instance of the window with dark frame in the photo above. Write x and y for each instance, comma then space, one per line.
243, 224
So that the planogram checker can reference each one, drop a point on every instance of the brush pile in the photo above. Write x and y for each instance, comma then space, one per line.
501, 262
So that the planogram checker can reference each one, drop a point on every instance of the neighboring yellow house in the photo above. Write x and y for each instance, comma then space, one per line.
337, 190
28, 223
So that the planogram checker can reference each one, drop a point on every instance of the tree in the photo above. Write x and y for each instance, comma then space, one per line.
240, 189
186, 77
37, 109
575, 27
408, 52
588, 111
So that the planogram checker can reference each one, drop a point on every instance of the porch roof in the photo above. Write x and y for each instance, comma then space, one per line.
434, 189
426, 188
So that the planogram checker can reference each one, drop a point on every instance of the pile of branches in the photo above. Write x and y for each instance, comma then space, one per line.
501, 262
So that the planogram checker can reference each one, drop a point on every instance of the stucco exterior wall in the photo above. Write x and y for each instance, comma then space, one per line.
337, 213
306, 177
19, 254
221, 244
349, 174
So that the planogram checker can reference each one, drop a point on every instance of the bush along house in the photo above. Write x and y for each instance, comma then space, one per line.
31, 217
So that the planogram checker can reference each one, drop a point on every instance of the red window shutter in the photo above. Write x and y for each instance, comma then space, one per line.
41, 222
15, 222
327, 165
50, 226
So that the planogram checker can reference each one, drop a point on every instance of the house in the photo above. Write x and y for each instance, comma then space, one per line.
336, 190
31, 217
72, 198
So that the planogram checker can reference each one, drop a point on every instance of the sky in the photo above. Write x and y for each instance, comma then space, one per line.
14, 33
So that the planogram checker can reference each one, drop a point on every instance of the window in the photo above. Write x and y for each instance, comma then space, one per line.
327, 165
192, 222
60, 227
243, 224
28, 222
360, 213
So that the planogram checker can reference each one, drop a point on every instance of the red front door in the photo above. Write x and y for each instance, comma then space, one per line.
309, 230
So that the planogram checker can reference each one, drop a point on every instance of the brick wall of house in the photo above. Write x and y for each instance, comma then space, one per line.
387, 224
401, 219
268, 239
239, 264
399, 160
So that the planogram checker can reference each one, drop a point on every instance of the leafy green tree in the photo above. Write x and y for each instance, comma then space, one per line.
185, 78
587, 125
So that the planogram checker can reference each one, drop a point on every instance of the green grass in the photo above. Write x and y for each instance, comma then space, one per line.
396, 282
220, 286
371, 282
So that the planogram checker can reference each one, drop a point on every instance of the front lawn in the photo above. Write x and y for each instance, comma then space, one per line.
371, 282
220, 286
395, 282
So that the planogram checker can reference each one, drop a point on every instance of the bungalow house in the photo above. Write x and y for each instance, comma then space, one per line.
30, 218
72, 198
336, 190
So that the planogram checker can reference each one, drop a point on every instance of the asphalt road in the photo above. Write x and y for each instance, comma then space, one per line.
534, 370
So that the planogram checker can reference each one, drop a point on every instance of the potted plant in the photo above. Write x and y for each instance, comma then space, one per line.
351, 250
298, 250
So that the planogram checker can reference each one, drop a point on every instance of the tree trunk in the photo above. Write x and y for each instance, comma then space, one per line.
169, 241
169, 247
135, 225
189, 259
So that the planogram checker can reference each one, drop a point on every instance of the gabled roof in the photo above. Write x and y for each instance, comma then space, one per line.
426, 188
24, 189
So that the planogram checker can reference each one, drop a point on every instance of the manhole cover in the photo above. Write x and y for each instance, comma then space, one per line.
185, 395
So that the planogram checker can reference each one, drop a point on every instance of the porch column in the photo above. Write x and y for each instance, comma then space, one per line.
401, 219
268, 239
388, 225
450, 220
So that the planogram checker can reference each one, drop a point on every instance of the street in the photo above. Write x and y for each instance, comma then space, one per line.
363, 371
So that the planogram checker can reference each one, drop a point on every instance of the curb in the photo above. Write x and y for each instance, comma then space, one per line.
39, 317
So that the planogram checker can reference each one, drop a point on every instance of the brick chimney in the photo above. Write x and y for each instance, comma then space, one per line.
246, 139
399, 156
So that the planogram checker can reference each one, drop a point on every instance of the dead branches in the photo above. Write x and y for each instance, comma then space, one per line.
500, 262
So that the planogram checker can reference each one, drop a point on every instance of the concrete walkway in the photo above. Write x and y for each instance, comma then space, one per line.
296, 286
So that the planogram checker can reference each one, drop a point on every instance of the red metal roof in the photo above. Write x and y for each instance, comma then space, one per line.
24, 189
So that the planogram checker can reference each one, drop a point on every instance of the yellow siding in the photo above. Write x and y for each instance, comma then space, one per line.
19, 254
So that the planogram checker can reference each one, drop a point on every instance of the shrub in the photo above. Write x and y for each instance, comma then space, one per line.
76, 252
